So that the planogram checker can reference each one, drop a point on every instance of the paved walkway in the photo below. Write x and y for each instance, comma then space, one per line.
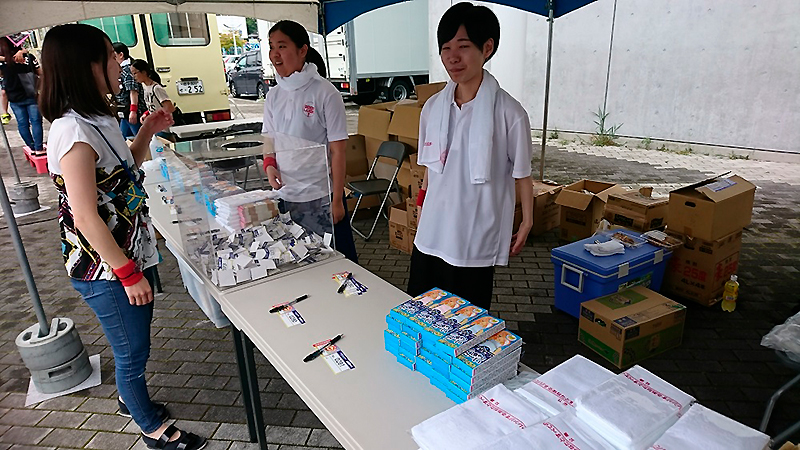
192, 366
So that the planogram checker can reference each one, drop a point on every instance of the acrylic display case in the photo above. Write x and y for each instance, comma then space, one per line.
235, 235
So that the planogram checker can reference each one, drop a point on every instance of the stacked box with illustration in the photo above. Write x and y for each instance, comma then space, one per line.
460, 348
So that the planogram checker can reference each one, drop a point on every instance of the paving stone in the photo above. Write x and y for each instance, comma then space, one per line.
106, 422
63, 419
24, 435
323, 438
287, 435
104, 441
62, 437
22, 417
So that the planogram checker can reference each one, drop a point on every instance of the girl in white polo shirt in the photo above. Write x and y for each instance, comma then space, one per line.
306, 105
475, 142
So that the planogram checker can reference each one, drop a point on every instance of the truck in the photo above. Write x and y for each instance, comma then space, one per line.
381, 54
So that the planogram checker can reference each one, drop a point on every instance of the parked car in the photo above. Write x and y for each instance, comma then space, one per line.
247, 78
228, 62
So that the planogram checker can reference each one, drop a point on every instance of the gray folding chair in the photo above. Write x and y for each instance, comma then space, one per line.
382, 187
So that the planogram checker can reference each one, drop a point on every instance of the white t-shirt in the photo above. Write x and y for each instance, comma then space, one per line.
120, 202
314, 112
154, 95
465, 224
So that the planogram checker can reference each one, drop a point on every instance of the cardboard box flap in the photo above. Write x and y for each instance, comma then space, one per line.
691, 187
725, 188
398, 214
426, 91
639, 199
405, 121
545, 187
616, 189
574, 199
631, 302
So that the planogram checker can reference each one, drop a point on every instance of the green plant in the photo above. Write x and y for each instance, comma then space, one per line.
735, 156
554, 133
686, 151
604, 135
646, 143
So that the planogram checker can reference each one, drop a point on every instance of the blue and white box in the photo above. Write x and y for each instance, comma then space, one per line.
470, 334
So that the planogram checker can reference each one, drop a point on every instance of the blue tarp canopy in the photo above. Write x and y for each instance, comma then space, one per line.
339, 12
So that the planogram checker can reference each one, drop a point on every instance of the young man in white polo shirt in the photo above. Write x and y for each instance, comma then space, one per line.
475, 143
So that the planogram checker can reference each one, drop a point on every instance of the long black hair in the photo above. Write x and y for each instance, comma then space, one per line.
8, 50
144, 66
68, 82
298, 34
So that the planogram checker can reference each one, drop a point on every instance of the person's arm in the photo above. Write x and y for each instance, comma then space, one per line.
140, 148
168, 106
526, 196
338, 173
78, 170
133, 114
163, 99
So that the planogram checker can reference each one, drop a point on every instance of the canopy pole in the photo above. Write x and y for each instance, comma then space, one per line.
546, 88
10, 155
324, 32
44, 327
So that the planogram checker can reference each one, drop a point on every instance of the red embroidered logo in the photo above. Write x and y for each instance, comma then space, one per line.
308, 110
428, 144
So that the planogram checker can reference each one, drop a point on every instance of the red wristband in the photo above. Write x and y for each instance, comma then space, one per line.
145, 114
134, 108
421, 197
126, 270
269, 161
133, 279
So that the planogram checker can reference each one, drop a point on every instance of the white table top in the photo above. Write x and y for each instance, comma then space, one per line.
195, 129
371, 407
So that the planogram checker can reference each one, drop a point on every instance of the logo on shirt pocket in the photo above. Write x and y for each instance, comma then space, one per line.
308, 109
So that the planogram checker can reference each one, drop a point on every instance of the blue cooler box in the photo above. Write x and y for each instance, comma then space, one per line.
581, 276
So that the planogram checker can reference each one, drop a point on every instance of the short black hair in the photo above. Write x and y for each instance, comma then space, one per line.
479, 21
119, 47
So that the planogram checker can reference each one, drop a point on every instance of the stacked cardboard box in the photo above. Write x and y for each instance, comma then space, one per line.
637, 210
458, 346
582, 206
545, 209
708, 217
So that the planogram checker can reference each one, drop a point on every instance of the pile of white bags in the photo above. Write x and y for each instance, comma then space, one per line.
704, 429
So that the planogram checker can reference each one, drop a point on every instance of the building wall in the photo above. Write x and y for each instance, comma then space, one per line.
717, 72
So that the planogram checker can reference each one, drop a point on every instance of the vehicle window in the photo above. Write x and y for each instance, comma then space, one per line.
241, 62
251, 60
180, 29
118, 29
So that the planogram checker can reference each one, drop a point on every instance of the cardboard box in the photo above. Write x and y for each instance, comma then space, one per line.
517, 218
413, 213
629, 326
405, 121
398, 228
413, 144
417, 176
712, 208
546, 212
357, 155
373, 120
637, 210
371, 146
699, 269
426, 91
582, 204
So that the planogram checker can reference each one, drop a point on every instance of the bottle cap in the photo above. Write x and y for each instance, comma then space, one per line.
734, 278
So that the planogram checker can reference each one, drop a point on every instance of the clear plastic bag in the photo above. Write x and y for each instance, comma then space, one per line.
785, 338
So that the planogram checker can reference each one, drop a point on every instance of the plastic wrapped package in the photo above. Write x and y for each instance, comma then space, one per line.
704, 429
785, 337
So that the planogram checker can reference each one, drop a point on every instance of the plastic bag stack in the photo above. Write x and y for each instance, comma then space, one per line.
704, 429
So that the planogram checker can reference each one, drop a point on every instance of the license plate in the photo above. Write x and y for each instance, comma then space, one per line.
190, 87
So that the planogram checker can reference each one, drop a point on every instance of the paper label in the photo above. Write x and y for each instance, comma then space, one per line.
291, 317
335, 357
353, 286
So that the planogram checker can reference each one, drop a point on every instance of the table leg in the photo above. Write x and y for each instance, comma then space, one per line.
255, 394
244, 378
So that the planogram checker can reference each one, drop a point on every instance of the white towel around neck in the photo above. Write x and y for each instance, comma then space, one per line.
481, 129
300, 79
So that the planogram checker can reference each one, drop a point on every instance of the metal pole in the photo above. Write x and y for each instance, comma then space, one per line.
44, 327
10, 155
546, 89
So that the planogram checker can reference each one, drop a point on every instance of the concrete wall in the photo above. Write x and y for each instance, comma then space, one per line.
718, 72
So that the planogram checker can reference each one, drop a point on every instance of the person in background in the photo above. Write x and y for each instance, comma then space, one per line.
20, 76
5, 117
155, 96
305, 104
130, 102
475, 142
107, 239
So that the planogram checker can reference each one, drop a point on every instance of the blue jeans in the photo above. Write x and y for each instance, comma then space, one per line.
316, 216
28, 118
128, 129
127, 328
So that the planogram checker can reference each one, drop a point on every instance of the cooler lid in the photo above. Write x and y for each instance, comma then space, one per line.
606, 266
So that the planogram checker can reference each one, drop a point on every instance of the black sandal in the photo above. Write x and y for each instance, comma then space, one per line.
161, 409
186, 441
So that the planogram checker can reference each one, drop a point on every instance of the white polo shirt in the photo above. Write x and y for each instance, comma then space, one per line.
465, 224
314, 112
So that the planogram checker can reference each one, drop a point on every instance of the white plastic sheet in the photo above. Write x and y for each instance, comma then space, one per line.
704, 429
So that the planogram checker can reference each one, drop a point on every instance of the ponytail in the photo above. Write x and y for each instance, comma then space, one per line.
315, 58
